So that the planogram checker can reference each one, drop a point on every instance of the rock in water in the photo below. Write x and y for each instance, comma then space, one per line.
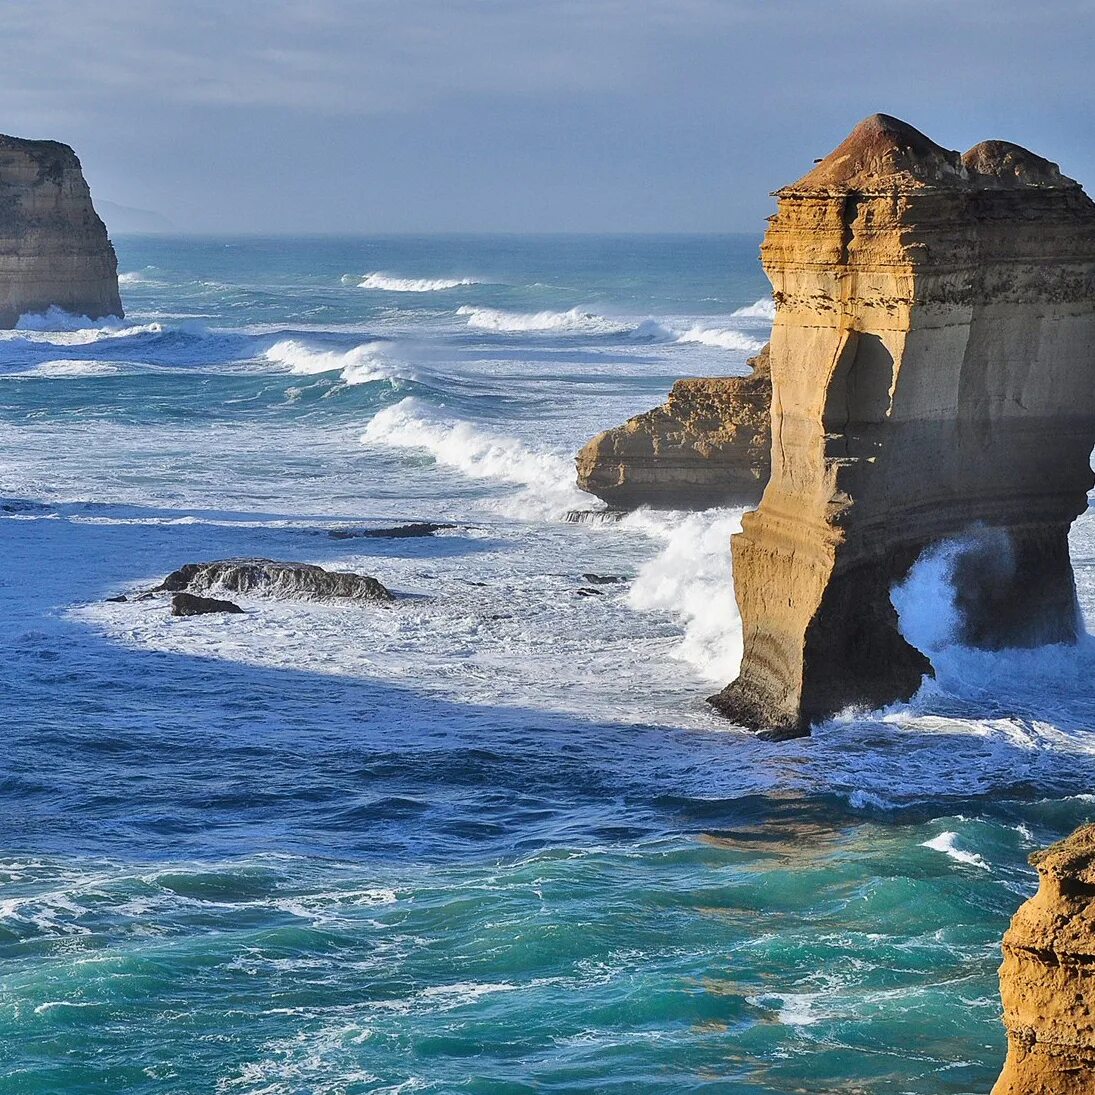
707, 445
931, 363
276, 579
1047, 980
189, 604
54, 249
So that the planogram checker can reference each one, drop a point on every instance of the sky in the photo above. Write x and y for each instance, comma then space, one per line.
374, 116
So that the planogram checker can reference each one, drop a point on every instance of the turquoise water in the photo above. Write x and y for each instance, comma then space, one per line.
488, 839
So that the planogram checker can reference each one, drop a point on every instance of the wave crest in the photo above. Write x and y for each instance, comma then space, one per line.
722, 338
765, 308
548, 479
363, 364
390, 284
494, 319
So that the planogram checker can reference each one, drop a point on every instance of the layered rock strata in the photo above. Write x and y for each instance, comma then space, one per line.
932, 363
54, 249
709, 444
1047, 980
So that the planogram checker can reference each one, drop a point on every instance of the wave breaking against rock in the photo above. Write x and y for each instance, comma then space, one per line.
931, 371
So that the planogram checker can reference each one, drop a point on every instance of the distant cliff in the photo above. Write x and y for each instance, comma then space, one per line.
54, 249
1047, 981
709, 444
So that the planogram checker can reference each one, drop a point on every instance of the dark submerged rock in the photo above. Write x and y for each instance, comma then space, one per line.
189, 604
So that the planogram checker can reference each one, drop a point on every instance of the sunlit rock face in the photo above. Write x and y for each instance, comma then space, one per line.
1047, 980
932, 364
54, 250
708, 445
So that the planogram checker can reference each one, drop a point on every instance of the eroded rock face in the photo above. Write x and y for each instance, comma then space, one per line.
275, 579
54, 249
1047, 980
708, 445
932, 363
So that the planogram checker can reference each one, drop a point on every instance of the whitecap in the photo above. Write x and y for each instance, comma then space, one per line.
722, 338
765, 308
362, 364
480, 454
945, 843
573, 320
390, 284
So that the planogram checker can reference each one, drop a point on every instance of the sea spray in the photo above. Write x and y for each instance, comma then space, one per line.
691, 579
548, 479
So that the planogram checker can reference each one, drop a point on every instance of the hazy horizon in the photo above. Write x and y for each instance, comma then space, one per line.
492, 116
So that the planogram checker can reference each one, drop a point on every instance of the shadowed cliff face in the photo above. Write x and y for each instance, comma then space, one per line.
54, 249
1047, 980
931, 371
708, 445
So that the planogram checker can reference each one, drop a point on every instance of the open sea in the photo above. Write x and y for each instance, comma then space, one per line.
488, 838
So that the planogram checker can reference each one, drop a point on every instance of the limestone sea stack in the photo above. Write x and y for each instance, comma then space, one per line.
54, 249
708, 445
1047, 980
932, 363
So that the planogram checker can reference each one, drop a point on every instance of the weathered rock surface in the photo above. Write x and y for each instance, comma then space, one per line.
1047, 980
709, 444
54, 249
190, 604
932, 362
275, 579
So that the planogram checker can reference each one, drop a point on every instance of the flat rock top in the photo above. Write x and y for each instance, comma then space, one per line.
885, 153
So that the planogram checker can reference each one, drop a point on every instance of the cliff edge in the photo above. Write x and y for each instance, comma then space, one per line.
54, 249
708, 445
931, 363
1047, 980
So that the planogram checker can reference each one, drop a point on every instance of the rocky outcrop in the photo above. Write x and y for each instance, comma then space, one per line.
275, 579
931, 362
54, 249
1047, 980
190, 604
708, 445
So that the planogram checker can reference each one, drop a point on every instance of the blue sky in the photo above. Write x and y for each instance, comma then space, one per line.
522, 115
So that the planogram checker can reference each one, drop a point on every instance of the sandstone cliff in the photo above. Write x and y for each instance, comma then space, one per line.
54, 248
932, 362
1047, 980
709, 444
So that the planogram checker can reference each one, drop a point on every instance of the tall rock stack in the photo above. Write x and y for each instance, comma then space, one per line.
932, 360
54, 249
1047, 981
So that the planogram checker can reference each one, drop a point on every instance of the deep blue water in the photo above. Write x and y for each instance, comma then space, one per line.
487, 839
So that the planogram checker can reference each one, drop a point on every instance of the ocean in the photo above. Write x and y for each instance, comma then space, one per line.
488, 838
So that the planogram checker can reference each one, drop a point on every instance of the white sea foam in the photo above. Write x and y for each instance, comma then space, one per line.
62, 328
690, 578
723, 338
765, 308
548, 479
361, 365
390, 284
945, 843
73, 369
574, 320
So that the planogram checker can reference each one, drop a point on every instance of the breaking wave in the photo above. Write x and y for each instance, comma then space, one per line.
690, 578
494, 319
363, 364
723, 338
391, 284
548, 479
765, 308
